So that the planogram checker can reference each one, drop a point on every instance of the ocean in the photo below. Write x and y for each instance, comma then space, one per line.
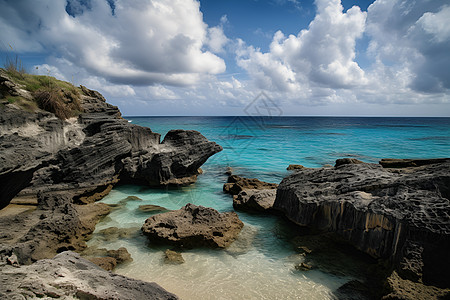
261, 263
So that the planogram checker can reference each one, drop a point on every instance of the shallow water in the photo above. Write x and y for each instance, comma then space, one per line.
260, 264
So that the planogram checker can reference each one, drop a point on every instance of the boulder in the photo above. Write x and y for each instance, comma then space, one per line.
106, 263
151, 208
194, 226
255, 200
173, 257
382, 213
236, 184
347, 161
294, 167
121, 255
68, 276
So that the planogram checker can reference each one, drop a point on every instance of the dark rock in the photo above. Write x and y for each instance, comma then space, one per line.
151, 208
294, 167
255, 200
68, 276
194, 226
347, 161
236, 184
89, 155
354, 290
173, 257
106, 263
377, 211
407, 163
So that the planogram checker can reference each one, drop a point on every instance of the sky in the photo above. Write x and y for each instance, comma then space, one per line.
220, 57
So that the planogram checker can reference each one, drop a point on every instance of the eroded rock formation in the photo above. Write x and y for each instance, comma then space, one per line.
88, 155
399, 215
194, 226
68, 276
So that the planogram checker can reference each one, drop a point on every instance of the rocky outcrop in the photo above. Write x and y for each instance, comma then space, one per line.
194, 226
294, 167
236, 184
68, 276
406, 163
55, 226
255, 200
347, 161
399, 216
88, 155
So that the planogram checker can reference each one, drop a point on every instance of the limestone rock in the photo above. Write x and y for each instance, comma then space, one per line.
88, 155
378, 211
347, 161
173, 257
255, 200
106, 263
68, 276
236, 184
194, 226
121, 255
294, 167
406, 163
151, 208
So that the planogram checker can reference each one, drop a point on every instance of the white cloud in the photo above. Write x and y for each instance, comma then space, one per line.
413, 36
144, 42
322, 55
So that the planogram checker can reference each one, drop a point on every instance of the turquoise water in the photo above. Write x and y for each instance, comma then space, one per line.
260, 264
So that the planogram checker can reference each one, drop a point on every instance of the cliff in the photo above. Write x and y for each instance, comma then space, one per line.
401, 215
86, 149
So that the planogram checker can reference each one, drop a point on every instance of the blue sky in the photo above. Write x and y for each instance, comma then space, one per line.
214, 57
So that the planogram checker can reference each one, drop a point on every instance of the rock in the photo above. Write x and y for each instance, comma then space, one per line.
173, 257
255, 200
57, 225
115, 233
151, 208
68, 276
107, 263
194, 226
303, 267
229, 171
121, 255
294, 167
237, 184
378, 211
354, 290
347, 161
406, 163
403, 289
88, 155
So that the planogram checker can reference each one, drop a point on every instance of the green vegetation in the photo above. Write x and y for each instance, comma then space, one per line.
48, 93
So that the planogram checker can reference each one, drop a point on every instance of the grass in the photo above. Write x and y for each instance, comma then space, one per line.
50, 94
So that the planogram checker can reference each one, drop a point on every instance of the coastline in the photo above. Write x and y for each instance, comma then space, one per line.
64, 168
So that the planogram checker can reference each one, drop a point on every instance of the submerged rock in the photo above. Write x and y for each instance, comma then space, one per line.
255, 200
194, 226
236, 184
173, 257
378, 211
106, 263
151, 208
68, 276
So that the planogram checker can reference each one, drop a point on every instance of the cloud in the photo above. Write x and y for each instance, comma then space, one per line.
216, 38
414, 36
138, 42
322, 55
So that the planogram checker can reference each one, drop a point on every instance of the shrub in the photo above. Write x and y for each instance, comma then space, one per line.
63, 103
